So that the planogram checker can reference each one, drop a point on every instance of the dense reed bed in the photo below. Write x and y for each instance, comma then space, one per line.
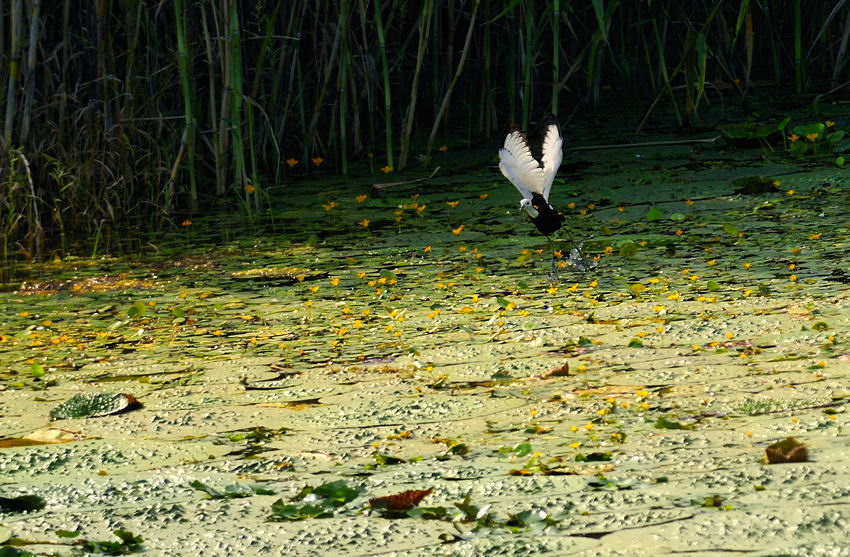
123, 119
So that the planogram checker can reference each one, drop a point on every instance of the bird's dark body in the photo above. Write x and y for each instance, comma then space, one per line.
548, 220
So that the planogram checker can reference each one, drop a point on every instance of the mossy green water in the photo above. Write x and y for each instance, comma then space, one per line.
349, 326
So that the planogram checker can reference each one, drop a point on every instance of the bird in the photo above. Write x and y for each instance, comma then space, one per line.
533, 179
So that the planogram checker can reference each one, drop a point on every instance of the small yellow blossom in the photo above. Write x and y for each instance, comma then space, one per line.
334, 281
186, 222
812, 136
815, 236
427, 249
443, 148
829, 123
552, 290
291, 162
317, 160
329, 205
747, 265
386, 169
458, 230
793, 278
250, 188
484, 196
793, 137
364, 223
361, 198
452, 203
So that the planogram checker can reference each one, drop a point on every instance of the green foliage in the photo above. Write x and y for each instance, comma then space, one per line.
323, 501
664, 423
128, 543
233, 491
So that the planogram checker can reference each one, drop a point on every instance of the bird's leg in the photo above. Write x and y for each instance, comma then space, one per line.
553, 271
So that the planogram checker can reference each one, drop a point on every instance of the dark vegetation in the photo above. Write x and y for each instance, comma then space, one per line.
123, 120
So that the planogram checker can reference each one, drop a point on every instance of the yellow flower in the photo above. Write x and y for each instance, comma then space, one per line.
291, 162
186, 222
793, 137
250, 188
317, 160
711, 261
571, 205
452, 203
443, 148
386, 169
334, 281
680, 232
458, 230
484, 196
747, 265
829, 123
427, 249
552, 290
361, 198
790, 192
575, 445
689, 202
329, 205
364, 223
815, 236
620, 209
793, 278
812, 136
357, 324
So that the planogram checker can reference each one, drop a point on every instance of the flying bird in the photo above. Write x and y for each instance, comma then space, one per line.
533, 179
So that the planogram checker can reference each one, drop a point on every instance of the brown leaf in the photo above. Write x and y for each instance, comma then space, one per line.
400, 501
560, 371
787, 450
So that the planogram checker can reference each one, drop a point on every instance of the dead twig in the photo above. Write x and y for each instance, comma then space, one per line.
376, 188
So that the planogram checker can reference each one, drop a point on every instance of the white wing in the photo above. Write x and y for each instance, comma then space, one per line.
552, 156
524, 172
518, 166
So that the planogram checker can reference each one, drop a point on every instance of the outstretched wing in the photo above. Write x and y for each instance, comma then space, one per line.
552, 156
518, 166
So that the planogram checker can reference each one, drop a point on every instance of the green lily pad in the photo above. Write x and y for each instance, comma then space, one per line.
90, 405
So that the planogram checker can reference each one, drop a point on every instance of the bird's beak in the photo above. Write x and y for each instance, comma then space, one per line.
529, 208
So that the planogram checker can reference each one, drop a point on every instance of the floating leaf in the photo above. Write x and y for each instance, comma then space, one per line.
787, 450
664, 423
129, 544
44, 436
731, 229
628, 248
233, 491
90, 405
137, 309
403, 501
21, 504
654, 214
